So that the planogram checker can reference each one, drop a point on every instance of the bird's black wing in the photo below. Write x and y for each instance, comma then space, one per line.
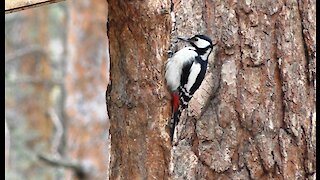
185, 73
201, 75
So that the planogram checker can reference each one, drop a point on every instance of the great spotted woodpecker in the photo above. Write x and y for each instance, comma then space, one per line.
184, 73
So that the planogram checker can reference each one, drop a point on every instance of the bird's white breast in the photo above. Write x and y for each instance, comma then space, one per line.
175, 65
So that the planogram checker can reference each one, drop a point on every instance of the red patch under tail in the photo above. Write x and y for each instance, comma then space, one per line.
175, 101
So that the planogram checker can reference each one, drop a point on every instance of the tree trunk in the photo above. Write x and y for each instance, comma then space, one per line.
86, 83
139, 35
253, 116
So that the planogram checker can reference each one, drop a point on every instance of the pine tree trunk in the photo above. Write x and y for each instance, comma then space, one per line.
86, 82
139, 35
253, 116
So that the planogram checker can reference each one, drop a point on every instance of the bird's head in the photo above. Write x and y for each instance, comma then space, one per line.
199, 41
202, 43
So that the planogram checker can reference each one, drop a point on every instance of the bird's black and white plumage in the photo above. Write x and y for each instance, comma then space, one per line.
184, 73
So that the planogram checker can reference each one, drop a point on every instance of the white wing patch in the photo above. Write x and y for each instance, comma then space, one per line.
175, 65
194, 72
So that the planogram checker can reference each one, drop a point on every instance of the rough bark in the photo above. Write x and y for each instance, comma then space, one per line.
253, 116
139, 35
260, 123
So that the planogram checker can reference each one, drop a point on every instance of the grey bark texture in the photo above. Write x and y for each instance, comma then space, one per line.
253, 116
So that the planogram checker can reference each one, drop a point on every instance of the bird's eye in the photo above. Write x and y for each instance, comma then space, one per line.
196, 39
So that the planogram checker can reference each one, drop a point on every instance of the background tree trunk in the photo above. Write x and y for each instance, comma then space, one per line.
85, 102
253, 116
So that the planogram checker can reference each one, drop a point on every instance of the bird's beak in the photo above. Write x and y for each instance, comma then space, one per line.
184, 39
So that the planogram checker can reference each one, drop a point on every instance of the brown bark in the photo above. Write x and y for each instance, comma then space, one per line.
139, 35
253, 116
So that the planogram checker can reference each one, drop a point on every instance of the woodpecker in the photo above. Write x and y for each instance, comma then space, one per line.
184, 73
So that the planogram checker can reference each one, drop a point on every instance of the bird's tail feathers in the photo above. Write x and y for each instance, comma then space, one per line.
174, 121
175, 112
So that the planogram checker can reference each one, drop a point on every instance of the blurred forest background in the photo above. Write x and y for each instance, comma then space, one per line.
56, 63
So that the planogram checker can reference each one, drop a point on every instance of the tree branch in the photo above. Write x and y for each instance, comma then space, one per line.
57, 139
82, 169
19, 5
